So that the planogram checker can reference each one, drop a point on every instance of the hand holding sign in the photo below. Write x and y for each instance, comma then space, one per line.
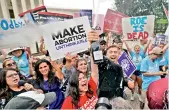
93, 36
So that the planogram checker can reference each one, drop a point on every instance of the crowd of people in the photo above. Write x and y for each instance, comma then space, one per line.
76, 82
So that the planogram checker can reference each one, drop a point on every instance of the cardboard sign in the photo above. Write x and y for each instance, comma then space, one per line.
113, 21
66, 36
46, 17
127, 65
140, 27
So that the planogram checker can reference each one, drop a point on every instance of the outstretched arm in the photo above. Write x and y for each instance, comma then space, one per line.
93, 36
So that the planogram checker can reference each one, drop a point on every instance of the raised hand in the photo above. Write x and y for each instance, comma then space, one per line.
93, 36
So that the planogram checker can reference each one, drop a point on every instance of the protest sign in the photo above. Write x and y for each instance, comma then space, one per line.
113, 21
8, 26
87, 13
11, 24
160, 39
127, 65
46, 17
99, 23
140, 27
32, 14
66, 36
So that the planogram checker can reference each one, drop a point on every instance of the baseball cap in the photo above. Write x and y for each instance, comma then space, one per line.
31, 100
156, 50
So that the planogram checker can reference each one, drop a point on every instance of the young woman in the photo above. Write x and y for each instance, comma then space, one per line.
9, 84
9, 63
82, 92
20, 56
48, 81
82, 66
137, 56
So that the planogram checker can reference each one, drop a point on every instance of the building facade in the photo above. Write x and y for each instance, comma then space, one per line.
11, 8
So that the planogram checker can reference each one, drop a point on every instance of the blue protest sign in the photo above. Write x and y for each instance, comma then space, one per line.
127, 65
87, 13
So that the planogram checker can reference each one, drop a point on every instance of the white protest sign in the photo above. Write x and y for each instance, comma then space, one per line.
25, 36
140, 27
66, 36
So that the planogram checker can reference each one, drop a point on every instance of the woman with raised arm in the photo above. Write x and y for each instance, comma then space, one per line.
83, 92
49, 81
137, 56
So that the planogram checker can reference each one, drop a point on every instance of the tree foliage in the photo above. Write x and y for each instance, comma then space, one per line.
143, 7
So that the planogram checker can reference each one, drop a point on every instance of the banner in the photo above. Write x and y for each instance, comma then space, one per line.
99, 23
140, 27
46, 17
87, 13
127, 65
113, 21
11, 24
8, 26
66, 36
32, 15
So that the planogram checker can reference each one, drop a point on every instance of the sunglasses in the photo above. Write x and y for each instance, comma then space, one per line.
11, 64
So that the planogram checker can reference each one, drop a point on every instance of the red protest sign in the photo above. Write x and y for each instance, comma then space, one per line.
113, 21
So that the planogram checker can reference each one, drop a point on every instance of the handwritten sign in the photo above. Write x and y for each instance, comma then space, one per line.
127, 65
140, 27
113, 21
66, 36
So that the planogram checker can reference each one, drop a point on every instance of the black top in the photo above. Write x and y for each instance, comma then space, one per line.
111, 80
15, 93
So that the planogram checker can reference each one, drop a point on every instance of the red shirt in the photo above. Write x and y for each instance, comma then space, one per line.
84, 101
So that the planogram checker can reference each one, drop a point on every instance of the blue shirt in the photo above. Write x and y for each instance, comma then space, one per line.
163, 60
137, 58
55, 87
23, 64
147, 65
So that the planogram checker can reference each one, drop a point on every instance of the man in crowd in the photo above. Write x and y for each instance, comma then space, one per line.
111, 80
102, 45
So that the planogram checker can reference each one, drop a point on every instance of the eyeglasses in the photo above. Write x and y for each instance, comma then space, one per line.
11, 64
12, 75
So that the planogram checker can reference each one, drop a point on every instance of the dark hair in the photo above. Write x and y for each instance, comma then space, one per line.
74, 88
4, 89
112, 46
51, 75
79, 60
